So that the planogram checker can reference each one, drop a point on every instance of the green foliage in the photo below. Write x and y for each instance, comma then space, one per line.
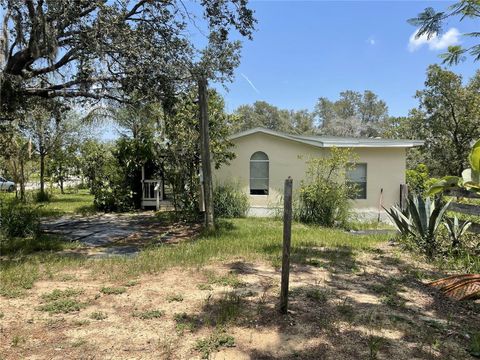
230, 201
138, 40
421, 220
470, 179
18, 219
148, 314
180, 151
263, 114
42, 197
98, 315
447, 119
58, 294
64, 306
455, 230
61, 301
419, 180
354, 114
108, 290
324, 197
215, 341
430, 23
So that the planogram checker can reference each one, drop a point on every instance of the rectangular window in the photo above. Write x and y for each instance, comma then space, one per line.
357, 178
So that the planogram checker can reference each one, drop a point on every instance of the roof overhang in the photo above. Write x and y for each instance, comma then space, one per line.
328, 142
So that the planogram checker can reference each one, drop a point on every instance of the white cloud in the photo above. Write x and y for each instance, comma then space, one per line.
251, 83
451, 37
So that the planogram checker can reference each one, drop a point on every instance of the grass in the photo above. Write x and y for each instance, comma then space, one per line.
215, 341
175, 297
148, 314
72, 202
63, 306
80, 202
61, 301
112, 290
98, 315
251, 238
61, 294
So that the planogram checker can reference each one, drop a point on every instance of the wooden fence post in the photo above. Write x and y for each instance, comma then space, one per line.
287, 236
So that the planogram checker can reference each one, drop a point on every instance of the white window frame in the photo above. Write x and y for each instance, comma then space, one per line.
356, 196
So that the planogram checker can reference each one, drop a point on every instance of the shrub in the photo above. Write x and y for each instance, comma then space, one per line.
41, 197
419, 180
230, 201
112, 197
18, 219
324, 197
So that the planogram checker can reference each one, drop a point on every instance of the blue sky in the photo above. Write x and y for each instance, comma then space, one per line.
303, 50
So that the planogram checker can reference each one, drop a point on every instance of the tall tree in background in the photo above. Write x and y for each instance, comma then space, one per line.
353, 114
430, 23
447, 118
263, 114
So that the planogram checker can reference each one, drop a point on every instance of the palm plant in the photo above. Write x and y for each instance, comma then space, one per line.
455, 230
421, 219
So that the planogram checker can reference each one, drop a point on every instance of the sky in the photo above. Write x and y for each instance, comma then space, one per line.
303, 50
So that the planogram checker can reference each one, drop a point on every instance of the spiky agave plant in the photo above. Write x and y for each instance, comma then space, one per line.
421, 219
456, 230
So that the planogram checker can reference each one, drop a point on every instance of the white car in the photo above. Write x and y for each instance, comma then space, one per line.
6, 185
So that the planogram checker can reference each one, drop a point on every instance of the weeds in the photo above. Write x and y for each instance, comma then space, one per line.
112, 290
61, 301
148, 314
374, 344
175, 297
64, 306
231, 280
204, 286
98, 315
61, 294
474, 348
215, 341
18, 340
346, 310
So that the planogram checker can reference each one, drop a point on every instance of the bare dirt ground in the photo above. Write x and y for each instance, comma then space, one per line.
369, 305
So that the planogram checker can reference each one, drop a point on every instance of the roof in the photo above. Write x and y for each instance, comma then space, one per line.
333, 141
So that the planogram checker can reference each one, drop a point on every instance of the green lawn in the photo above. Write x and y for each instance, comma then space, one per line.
251, 239
80, 202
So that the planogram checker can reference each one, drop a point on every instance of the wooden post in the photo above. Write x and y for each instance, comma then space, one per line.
287, 236
205, 153
403, 196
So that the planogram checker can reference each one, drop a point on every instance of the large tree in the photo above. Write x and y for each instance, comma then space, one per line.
98, 49
263, 114
448, 119
431, 22
353, 114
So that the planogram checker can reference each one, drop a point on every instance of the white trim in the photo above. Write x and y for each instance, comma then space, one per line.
327, 141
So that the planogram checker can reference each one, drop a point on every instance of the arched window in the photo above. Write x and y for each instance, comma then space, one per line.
259, 174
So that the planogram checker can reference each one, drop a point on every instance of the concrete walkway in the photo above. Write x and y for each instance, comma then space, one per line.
116, 234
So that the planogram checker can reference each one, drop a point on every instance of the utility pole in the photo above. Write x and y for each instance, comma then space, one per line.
205, 153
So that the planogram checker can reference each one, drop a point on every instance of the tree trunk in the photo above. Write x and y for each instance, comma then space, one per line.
42, 173
205, 154
22, 180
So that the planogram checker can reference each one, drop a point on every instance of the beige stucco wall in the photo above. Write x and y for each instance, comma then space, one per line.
385, 169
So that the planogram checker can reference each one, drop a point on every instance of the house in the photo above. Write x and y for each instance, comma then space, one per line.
265, 158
